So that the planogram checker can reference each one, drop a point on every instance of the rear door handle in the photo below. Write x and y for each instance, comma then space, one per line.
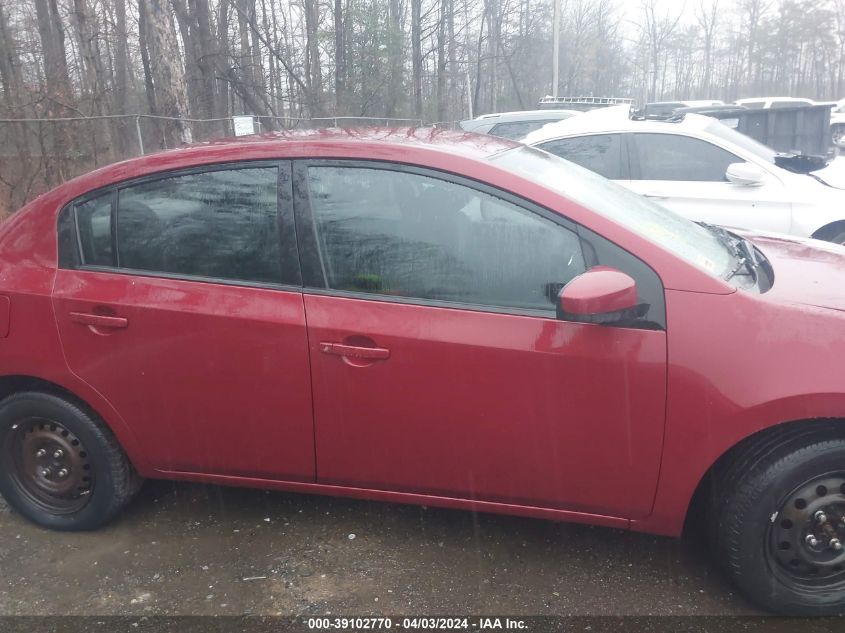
655, 195
354, 351
99, 320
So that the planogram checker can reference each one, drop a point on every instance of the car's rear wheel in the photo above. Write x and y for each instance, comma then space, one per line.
778, 525
59, 465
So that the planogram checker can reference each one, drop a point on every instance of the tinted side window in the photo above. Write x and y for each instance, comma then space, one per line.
601, 153
517, 129
408, 235
220, 224
93, 219
675, 157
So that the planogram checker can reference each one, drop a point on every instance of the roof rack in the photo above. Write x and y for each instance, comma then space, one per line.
582, 103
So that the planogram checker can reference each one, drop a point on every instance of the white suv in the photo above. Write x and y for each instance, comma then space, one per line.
701, 169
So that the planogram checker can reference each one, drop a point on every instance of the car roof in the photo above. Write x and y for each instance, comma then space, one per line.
687, 102
526, 115
484, 120
756, 99
613, 119
349, 143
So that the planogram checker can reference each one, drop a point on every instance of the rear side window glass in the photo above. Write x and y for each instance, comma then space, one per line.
601, 153
409, 235
219, 224
675, 157
93, 219
517, 129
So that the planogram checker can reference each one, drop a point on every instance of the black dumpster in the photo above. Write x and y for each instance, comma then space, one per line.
799, 129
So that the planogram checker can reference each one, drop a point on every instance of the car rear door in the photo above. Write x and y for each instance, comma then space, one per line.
178, 298
687, 175
438, 365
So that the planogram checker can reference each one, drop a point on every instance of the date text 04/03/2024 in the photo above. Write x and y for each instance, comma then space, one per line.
419, 623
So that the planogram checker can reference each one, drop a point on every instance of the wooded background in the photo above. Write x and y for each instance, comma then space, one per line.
288, 60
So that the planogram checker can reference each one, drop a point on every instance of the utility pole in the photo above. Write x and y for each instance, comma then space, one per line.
469, 93
556, 44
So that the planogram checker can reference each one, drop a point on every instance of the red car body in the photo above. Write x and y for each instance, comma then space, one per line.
251, 386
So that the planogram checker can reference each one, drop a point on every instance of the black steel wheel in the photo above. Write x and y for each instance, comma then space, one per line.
60, 466
778, 521
49, 465
807, 537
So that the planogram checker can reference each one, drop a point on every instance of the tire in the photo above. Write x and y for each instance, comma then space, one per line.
60, 466
763, 513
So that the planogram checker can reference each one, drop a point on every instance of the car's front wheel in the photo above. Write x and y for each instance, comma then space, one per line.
778, 524
60, 466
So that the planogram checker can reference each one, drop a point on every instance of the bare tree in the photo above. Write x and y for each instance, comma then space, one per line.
707, 14
657, 29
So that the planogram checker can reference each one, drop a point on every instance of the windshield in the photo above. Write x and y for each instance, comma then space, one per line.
682, 237
745, 142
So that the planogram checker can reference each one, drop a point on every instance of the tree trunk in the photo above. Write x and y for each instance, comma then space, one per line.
339, 58
313, 70
442, 114
396, 54
416, 56
121, 75
166, 63
95, 78
10, 73
57, 83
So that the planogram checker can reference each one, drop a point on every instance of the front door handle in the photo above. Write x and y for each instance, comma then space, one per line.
99, 320
354, 351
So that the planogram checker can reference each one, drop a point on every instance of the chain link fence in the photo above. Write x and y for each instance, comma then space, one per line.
38, 154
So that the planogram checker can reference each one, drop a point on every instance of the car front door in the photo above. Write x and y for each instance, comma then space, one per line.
182, 305
438, 365
687, 175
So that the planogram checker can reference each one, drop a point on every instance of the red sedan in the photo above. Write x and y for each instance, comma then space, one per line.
426, 317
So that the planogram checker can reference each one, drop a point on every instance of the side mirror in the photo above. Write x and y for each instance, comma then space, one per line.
745, 174
600, 295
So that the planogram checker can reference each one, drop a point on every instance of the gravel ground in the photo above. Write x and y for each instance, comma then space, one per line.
189, 549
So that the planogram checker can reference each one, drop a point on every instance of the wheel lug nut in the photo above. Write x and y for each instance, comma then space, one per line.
40, 452
836, 544
811, 540
63, 473
58, 454
45, 472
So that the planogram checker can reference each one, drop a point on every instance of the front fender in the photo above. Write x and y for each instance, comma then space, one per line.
738, 364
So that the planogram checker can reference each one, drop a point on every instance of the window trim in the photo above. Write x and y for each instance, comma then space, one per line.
636, 168
314, 279
289, 261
